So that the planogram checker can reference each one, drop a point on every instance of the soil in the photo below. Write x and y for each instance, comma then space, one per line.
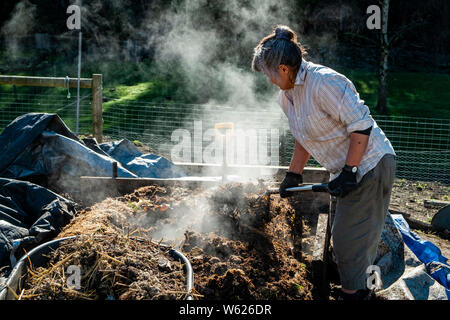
254, 261
409, 196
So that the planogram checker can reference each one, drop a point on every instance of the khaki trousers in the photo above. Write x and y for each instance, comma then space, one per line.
359, 221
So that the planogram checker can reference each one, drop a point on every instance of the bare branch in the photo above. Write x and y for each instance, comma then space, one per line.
407, 27
375, 42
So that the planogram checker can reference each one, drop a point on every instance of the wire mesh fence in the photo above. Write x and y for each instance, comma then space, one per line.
185, 132
14, 104
422, 145
189, 129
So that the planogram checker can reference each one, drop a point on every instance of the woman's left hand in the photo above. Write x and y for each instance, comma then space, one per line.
343, 184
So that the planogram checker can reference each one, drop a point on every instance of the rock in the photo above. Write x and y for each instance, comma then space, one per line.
441, 220
390, 253
164, 264
414, 283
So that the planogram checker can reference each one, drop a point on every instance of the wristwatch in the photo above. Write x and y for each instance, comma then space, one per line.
352, 169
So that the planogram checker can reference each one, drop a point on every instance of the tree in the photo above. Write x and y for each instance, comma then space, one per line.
384, 56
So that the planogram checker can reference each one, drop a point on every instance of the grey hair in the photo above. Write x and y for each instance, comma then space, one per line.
279, 47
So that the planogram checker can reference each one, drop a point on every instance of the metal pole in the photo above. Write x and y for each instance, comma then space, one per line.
224, 160
78, 84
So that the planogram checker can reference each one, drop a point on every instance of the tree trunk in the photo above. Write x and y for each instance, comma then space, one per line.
383, 88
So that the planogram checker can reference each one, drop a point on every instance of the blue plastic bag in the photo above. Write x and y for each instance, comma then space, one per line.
435, 263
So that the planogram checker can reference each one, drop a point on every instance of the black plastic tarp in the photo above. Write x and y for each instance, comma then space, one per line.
40, 148
143, 165
29, 215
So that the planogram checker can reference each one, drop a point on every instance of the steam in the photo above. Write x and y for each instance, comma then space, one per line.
220, 210
220, 69
192, 212
197, 41
23, 19
213, 51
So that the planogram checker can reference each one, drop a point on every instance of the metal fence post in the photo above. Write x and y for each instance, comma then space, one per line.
283, 147
97, 98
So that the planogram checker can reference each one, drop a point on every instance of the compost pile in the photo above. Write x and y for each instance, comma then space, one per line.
112, 267
240, 246
253, 255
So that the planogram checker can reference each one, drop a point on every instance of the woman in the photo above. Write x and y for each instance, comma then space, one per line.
331, 123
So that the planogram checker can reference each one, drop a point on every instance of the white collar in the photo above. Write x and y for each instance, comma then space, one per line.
301, 74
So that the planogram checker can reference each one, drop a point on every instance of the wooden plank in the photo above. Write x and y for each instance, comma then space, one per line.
185, 181
420, 225
413, 223
320, 240
435, 204
310, 174
99, 188
320, 254
312, 201
60, 82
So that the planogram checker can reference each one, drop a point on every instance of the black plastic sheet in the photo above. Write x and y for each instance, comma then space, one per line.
40, 148
29, 215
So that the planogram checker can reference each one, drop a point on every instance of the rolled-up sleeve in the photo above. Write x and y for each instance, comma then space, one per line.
338, 97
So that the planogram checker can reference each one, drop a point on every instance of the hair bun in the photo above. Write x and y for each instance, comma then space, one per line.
284, 32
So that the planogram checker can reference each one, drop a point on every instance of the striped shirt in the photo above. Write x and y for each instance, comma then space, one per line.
323, 109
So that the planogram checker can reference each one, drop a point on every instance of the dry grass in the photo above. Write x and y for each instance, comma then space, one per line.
112, 267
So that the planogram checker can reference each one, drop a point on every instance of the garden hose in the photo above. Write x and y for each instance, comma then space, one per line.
189, 272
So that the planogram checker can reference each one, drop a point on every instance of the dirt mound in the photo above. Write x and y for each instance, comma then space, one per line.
240, 246
112, 267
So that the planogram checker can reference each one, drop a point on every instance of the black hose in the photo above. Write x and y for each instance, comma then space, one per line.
189, 272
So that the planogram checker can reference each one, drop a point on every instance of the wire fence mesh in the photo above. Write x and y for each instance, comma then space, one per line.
190, 129
422, 145
185, 132
14, 104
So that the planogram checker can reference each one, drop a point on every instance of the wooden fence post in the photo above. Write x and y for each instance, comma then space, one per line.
97, 98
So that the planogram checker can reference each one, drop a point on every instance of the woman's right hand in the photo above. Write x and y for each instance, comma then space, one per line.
291, 180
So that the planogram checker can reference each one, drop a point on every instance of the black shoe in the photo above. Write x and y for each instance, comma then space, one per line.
359, 295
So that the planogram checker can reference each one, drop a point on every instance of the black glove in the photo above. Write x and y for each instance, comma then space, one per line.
344, 183
291, 180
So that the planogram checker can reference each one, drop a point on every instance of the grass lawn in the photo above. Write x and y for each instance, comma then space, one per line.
410, 94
